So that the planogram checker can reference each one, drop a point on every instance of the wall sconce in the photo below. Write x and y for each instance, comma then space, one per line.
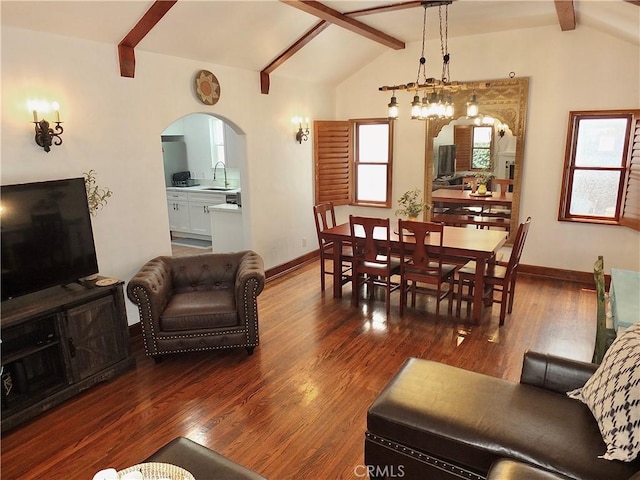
502, 129
302, 134
45, 136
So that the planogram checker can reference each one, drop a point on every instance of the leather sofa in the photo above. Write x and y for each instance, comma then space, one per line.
198, 302
201, 462
440, 422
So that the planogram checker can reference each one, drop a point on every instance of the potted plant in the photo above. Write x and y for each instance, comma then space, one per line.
96, 195
411, 204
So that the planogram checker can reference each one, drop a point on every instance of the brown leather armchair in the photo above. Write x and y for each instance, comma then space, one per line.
198, 302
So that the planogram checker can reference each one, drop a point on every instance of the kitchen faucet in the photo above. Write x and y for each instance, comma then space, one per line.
224, 169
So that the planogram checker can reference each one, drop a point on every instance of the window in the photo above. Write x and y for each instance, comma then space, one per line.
481, 152
353, 162
372, 162
601, 178
217, 142
473, 144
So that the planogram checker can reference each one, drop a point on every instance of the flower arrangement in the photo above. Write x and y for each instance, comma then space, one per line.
484, 177
411, 204
96, 196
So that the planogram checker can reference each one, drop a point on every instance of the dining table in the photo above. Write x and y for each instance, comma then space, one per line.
467, 197
451, 199
458, 242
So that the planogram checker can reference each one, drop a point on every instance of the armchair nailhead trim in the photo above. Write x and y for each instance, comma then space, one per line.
423, 457
251, 287
151, 349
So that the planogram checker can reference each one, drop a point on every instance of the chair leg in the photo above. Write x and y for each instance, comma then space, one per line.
413, 294
450, 309
403, 295
503, 308
503, 304
512, 289
387, 299
470, 287
250, 350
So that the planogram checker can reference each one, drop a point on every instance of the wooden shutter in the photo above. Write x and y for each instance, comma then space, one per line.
332, 155
463, 138
631, 210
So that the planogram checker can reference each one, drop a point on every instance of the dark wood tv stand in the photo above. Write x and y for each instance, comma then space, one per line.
58, 342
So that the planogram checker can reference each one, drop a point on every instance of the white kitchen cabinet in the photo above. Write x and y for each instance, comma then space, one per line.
199, 203
226, 228
199, 220
189, 211
178, 207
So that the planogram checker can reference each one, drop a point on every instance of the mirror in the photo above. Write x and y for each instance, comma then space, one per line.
505, 101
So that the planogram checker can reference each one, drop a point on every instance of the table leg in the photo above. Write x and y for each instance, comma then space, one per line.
478, 291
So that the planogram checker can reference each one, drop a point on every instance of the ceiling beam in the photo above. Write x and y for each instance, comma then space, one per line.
126, 53
566, 14
322, 25
288, 53
398, 6
333, 16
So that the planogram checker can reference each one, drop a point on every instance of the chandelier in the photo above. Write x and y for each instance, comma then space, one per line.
436, 101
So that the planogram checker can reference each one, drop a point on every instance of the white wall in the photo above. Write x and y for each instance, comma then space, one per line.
577, 70
113, 125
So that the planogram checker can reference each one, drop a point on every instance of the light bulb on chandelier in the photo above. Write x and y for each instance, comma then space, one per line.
437, 100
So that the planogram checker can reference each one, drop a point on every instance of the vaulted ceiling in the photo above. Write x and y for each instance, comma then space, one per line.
313, 41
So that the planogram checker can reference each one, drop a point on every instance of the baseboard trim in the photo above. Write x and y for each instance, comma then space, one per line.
560, 274
295, 264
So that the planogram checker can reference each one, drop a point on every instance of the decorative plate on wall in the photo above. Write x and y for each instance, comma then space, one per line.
207, 87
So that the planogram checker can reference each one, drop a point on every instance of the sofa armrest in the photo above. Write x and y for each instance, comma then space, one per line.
553, 373
250, 280
151, 289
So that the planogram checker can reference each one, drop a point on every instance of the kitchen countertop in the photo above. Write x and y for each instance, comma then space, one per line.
226, 207
201, 188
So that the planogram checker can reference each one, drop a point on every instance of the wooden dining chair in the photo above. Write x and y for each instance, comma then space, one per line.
503, 185
471, 182
325, 217
373, 264
499, 277
423, 268
604, 335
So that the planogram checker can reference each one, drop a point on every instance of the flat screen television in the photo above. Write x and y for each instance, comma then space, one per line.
446, 160
46, 236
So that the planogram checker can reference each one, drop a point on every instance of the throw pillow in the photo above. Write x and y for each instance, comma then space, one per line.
613, 396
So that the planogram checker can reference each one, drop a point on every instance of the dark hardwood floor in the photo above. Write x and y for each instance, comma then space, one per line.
296, 408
